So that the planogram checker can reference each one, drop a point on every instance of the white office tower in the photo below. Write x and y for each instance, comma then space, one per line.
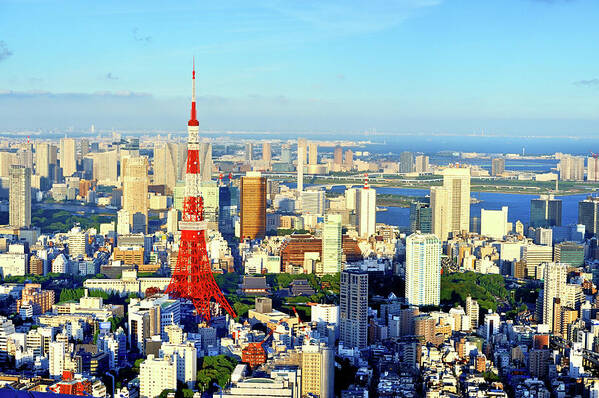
493, 223
332, 244
172, 221
492, 324
78, 242
56, 358
123, 225
312, 202
423, 269
68, 156
42, 159
156, 375
301, 161
350, 198
554, 286
366, 210
104, 166
451, 203
318, 371
472, 311
185, 357
19, 197
353, 309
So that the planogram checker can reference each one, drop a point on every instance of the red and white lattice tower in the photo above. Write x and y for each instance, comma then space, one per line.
192, 277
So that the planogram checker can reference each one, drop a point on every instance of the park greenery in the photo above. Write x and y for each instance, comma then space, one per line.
51, 220
213, 370
487, 289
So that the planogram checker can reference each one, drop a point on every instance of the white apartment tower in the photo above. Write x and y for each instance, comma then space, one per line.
332, 245
20, 197
366, 210
423, 269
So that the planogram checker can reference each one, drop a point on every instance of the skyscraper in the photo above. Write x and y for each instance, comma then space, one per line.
266, 154
353, 309
421, 217
366, 210
440, 212
135, 192
406, 162
332, 251
423, 269
593, 168
253, 206
206, 164
554, 286
497, 166
421, 164
348, 162
68, 156
318, 371
451, 203
249, 152
588, 215
169, 163
313, 202
546, 211
301, 161
313, 153
42, 159
338, 155
571, 168
20, 197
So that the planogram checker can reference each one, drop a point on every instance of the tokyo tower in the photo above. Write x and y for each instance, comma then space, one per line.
192, 277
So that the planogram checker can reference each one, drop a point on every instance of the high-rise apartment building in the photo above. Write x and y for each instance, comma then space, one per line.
266, 153
348, 162
318, 371
68, 156
332, 250
338, 155
546, 211
42, 159
135, 193
421, 164
313, 153
423, 269
588, 215
366, 211
593, 168
301, 161
249, 152
406, 162
7, 159
554, 286
571, 168
253, 206
451, 203
497, 166
20, 197
353, 309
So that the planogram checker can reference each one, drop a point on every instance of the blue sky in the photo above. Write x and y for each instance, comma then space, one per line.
522, 67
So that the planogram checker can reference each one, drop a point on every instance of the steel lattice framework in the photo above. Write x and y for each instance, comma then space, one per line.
192, 277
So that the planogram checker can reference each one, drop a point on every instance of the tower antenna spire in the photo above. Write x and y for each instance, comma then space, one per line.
193, 121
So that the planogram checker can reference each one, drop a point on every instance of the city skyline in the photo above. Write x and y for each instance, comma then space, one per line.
401, 67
